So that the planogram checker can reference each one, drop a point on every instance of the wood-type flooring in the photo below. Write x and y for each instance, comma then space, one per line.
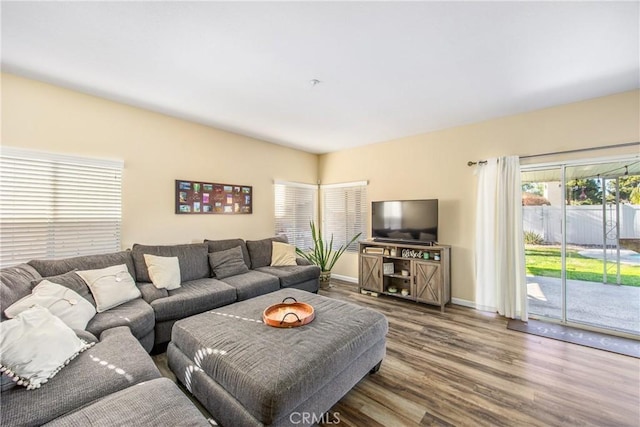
464, 368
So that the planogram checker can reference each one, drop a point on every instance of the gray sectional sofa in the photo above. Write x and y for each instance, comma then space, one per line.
115, 382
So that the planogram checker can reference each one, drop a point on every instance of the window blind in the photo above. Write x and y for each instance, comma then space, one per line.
296, 204
344, 213
57, 206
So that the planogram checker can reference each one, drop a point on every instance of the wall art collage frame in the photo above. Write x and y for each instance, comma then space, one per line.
203, 198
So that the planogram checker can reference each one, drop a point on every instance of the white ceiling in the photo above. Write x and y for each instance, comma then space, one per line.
387, 69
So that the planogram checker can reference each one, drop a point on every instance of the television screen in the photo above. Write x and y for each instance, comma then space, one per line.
405, 220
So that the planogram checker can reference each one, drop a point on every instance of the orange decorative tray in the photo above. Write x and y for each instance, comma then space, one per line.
288, 314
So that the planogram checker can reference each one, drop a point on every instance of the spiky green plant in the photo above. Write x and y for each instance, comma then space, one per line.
533, 238
321, 254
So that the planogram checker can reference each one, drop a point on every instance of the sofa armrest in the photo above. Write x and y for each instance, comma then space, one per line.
85, 335
302, 261
150, 292
114, 332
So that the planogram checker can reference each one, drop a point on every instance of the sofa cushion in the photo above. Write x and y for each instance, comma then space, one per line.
116, 362
292, 275
227, 263
193, 297
164, 271
282, 254
303, 261
72, 281
260, 250
252, 284
110, 286
135, 314
36, 345
56, 267
150, 292
16, 283
223, 245
156, 402
61, 301
192, 257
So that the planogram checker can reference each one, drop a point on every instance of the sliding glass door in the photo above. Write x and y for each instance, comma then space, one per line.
582, 243
542, 206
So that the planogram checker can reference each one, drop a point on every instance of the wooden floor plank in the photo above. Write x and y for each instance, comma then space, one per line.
464, 368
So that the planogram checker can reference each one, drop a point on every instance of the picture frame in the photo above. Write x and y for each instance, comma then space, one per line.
209, 198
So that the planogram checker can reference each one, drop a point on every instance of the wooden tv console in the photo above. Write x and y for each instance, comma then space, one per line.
416, 272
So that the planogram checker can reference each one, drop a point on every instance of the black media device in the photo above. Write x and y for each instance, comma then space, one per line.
405, 221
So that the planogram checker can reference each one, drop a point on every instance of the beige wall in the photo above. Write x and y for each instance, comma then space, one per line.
434, 165
156, 150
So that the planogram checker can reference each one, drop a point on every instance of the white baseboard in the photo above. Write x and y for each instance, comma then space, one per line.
345, 278
463, 302
456, 301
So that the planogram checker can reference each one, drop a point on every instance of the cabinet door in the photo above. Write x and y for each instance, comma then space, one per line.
428, 281
371, 272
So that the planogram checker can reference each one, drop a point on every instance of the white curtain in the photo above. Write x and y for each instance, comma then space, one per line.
500, 268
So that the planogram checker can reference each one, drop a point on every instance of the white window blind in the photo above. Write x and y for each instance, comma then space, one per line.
57, 206
345, 212
296, 205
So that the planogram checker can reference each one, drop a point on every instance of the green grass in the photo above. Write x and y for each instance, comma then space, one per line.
545, 261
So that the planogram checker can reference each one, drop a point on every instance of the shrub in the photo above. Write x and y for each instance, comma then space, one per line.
532, 238
529, 199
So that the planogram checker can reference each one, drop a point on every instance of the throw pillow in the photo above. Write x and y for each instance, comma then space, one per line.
283, 254
35, 346
62, 302
227, 263
110, 286
72, 281
163, 271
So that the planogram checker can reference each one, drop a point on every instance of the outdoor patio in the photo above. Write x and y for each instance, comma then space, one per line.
613, 306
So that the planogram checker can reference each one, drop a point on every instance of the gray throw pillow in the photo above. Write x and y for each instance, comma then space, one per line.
227, 263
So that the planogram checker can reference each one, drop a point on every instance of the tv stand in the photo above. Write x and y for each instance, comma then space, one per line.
416, 272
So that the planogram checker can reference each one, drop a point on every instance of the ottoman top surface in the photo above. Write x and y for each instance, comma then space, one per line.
272, 370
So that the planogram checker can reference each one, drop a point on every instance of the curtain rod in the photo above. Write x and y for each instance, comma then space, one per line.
579, 150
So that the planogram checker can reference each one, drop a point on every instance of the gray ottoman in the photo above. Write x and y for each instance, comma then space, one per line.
249, 374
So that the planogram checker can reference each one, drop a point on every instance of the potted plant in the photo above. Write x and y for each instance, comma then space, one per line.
322, 254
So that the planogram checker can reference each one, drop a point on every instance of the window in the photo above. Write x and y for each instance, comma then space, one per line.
344, 212
296, 204
57, 206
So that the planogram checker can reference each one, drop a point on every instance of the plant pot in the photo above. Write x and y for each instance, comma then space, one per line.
325, 279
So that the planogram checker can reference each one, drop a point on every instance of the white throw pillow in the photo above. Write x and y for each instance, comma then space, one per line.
163, 271
282, 254
110, 286
65, 303
35, 346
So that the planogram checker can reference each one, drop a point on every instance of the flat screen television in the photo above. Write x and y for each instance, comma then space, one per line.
405, 221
